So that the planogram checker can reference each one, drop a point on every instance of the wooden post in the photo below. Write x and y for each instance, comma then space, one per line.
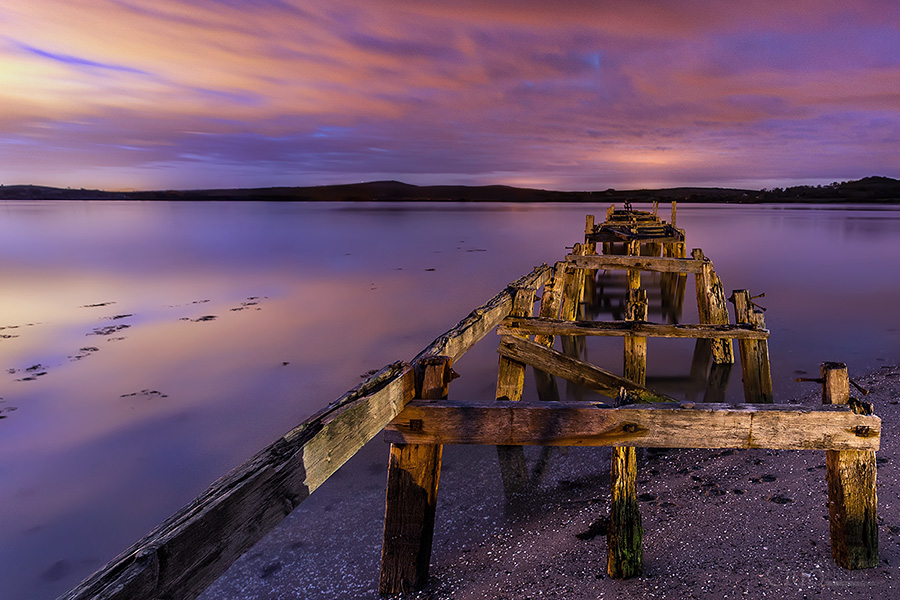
590, 275
852, 499
673, 284
755, 366
510, 381
712, 308
672, 221
624, 542
551, 301
634, 275
572, 309
413, 474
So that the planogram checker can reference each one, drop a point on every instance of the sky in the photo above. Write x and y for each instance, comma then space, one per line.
566, 95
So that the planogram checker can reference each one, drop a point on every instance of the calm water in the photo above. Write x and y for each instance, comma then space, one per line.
147, 348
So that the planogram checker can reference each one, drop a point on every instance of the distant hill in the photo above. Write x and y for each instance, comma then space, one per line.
868, 189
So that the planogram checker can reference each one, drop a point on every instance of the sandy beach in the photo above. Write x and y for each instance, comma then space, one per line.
718, 524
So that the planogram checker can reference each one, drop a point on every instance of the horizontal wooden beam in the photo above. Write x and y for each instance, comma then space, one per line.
577, 371
536, 325
677, 425
642, 263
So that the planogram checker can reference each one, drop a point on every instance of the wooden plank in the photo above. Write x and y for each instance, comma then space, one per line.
543, 326
852, 495
192, 548
579, 372
457, 341
675, 425
643, 263
414, 471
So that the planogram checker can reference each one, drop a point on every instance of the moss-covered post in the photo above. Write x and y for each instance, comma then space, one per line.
852, 499
625, 553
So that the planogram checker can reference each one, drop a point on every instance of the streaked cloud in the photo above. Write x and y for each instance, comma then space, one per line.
570, 95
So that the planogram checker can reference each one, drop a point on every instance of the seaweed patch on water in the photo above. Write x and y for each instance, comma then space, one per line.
117, 317
147, 393
204, 319
34, 371
84, 352
98, 305
6, 409
108, 330
252, 301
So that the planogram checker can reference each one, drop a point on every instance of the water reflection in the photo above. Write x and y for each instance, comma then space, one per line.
306, 299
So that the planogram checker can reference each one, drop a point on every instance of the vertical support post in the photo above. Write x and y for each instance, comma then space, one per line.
672, 284
625, 553
510, 381
414, 471
634, 275
572, 307
590, 275
755, 366
551, 301
672, 221
712, 307
852, 498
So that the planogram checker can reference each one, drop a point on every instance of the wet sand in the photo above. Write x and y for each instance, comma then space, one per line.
718, 524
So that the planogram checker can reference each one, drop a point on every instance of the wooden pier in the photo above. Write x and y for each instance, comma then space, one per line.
410, 402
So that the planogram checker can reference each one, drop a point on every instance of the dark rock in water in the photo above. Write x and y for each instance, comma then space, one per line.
205, 318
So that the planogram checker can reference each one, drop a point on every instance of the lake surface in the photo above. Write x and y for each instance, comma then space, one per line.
148, 348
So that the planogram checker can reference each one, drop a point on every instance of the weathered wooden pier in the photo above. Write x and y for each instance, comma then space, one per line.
410, 402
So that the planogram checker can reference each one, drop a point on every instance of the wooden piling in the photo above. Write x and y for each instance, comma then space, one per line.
551, 301
624, 542
852, 497
572, 308
590, 275
510, 381
414, 471
755, 367
634, 275
712, 307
